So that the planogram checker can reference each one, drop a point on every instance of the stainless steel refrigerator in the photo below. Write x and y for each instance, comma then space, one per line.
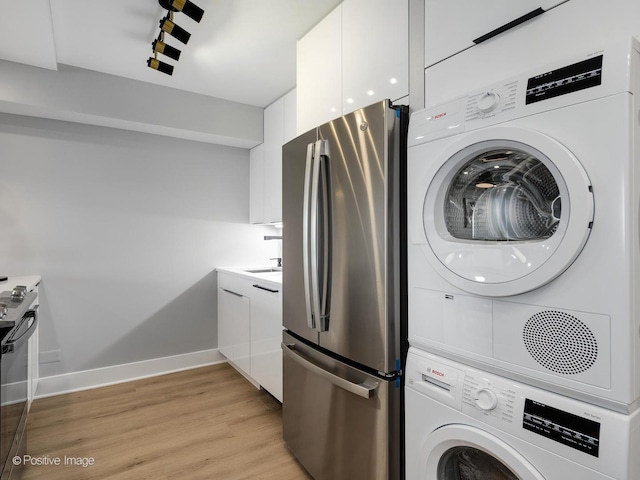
344, 295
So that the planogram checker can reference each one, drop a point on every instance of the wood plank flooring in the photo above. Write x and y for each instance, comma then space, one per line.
208, 423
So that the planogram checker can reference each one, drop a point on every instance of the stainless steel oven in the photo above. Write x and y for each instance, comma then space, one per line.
18, 321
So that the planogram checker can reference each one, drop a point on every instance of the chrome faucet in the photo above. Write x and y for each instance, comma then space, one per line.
275, 237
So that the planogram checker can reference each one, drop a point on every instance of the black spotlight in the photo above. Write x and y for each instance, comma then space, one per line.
160, 47
190, 9
179, 33
160, 66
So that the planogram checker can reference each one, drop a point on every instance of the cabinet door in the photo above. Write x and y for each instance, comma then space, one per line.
266, 335
273, 140
234, 317
256, 184
375, 52
452, 26
319, 73
530, 48
266, 161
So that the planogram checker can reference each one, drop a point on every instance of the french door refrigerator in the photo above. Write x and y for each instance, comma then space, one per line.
344, 305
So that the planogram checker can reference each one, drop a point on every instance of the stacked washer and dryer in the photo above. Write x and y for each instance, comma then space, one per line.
524, 276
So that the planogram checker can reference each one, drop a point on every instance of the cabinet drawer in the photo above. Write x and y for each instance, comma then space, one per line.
234, 284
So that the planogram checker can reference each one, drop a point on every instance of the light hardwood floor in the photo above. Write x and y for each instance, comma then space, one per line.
207, 423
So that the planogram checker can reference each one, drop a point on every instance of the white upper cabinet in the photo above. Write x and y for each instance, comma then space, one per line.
453, 26
319, 73
265, 168
273, 141
256, 184
357, 55
375, 52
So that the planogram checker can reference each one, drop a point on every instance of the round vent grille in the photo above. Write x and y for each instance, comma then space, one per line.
560, 342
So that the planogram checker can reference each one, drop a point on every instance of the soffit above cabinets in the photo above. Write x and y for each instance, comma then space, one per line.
242, 50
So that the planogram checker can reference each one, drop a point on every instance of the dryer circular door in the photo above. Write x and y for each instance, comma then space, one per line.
507, 211
461, 452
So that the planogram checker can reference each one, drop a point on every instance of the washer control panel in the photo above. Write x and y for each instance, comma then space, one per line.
544, 418
492, 102
485, 396
512, 407
563, 427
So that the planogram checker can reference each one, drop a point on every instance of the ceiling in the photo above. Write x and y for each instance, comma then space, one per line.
242, 50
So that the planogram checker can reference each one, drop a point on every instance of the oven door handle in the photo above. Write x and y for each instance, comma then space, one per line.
12, 345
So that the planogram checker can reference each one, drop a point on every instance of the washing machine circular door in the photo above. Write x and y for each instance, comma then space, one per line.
508, 211
462, 452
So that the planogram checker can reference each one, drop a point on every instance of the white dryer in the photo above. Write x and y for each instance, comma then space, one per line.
523, 214
466, 424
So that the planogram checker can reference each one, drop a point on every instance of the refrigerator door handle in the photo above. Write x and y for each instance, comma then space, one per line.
363, 390
314, 215
323, 249
307, 253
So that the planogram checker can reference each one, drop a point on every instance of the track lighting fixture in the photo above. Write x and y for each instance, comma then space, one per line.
160, 47
177, 32
190, 9
160, 66
187, 7
167, 25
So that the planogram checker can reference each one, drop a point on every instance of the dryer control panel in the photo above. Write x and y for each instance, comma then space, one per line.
579, 78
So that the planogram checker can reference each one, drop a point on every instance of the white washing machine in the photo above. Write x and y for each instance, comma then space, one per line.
466, 424
523, 255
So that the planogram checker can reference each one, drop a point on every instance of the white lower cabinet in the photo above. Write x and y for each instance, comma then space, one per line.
234, 319
250, 328
266, 335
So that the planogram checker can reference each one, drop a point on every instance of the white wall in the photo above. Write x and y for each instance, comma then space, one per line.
126, 230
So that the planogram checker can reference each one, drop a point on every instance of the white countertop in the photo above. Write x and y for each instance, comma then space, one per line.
246, 272
29, 281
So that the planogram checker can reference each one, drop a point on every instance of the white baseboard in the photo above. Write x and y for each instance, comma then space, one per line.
100, 377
